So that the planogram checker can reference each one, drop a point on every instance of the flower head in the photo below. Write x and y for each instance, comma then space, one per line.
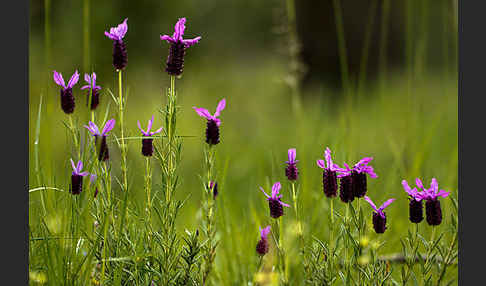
149, 126
91, 80
96, 132
381, 208
330, 165
206, 114
274, 203
178, 33
262, 245
59, 80
291, 171
77, 168
118, 33
361, 168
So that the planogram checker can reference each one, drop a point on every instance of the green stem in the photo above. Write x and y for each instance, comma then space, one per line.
299, 224
75, 136
148, 186
170, 137
331, 240
121, 106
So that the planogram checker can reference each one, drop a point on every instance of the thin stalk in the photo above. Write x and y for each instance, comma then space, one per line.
72, 127
170, 137
299, 224
208, 208
121, 106
148, 187
331, 240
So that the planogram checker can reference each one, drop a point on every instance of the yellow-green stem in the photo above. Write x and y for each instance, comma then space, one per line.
75, 136
121, 106
170, 137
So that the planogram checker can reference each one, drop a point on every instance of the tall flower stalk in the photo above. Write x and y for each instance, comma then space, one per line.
209, 184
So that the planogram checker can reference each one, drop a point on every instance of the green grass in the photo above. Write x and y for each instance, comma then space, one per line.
408, 134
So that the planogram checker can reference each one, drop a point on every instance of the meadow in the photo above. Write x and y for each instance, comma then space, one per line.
406, 120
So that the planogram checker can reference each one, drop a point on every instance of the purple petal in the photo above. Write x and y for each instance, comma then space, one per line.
84, 174
92, 128
149, 126
179, 29
191, 42
79, 167
85, 87
139, 127
264, 192
108, 126
406, 187
220, 107
92, 178
203, 112
419, 184
443, 193
169, 39
275, 189
371, 203
122, 29
364, 161
157, 131
434, 186
284, 204
93, 81
369, 170
74, 79
217, 120
327, 156
321, 164
291, 154
264, 232
87, 78
74, 166
385, 204
58, 79
111, 36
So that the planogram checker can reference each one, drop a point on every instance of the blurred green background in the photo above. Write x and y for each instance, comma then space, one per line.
386, 89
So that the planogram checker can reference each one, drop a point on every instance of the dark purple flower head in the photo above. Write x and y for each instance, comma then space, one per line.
329, 175
149, 126
178, 33
212, 129
77, 168
274, 203
118, 33
120, 57
177, 49
358, 174
76, 186
381, 208
262, 245
67, 98
96, 132
291, 171
92, 90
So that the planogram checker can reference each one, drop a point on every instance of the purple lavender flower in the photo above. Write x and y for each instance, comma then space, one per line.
433, 210
67, 98
358, 174
177, 49
291, 171
77, 178
346, 193
92, 180
262, 245
92, 89
147, 146
415, 205
212, 129
214, 187
102, 147
379, 216
117, 34
274, 203
329, 176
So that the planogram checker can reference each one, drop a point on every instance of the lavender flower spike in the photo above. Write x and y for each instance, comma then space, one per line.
274, 203
92, 89
262, 245
329, 175
291, 171
415, 205
346, 188
102, 147
379, 216
358, 174
147, 146
433, 210
212, 129
77, 178
119, 48
177, 49
67, 98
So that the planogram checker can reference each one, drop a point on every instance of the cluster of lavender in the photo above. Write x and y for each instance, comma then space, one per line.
353, 184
